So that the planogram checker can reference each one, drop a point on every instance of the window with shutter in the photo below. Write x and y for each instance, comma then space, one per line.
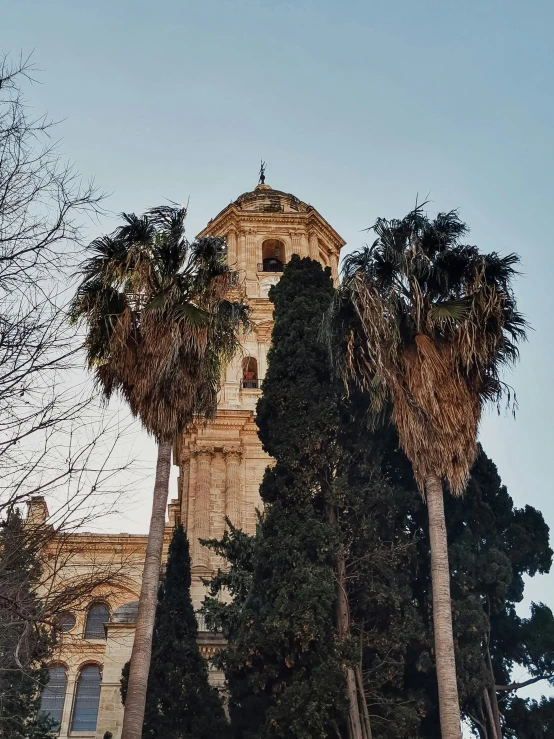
97, 616
53, 696
87, 699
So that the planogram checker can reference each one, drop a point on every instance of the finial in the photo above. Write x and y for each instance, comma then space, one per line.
261, 181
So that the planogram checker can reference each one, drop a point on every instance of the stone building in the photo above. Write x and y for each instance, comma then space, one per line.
220, 470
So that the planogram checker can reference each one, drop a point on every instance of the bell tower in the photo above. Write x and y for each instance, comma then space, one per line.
221, 466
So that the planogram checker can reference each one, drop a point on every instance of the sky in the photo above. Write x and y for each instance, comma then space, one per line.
357, 108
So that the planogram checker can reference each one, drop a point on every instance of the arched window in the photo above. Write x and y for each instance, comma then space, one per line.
87, 699
250, 373
97, 616
273, 256
53, 696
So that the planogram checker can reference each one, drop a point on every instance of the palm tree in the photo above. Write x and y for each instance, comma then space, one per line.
160, 330
424, 324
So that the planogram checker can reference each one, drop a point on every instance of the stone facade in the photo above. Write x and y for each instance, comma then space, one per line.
220, 465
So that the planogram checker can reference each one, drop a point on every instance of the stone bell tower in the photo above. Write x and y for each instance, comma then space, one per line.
221, 466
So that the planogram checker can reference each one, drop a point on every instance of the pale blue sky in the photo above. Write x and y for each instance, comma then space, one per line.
355, 106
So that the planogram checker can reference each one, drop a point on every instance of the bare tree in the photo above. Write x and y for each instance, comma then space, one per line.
57, 441
43, 209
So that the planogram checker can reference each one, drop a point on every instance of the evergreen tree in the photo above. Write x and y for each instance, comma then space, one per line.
180, 702
285, 666
492, 546
527, 719
24, 646
326, 457
229, 588
384, 568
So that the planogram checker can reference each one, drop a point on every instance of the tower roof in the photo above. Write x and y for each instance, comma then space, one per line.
265, 202
264, 199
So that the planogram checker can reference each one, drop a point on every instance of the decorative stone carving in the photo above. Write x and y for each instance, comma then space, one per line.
266, 284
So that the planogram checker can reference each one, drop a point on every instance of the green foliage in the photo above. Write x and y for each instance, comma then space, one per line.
527, 719
384, 569
180, 703
285, 665
25, 645
281, 668
493, 545
160, 326
238, 550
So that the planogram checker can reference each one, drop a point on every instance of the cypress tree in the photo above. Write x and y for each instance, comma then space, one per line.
285, 667
22, 675
180, 702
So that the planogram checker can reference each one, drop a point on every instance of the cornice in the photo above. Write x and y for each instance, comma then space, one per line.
234, 218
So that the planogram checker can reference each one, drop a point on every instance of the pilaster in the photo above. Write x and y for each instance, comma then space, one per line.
241, 256
314, 246
204, 456
296, 246
233, 458
251, 255
232, 248
184, 479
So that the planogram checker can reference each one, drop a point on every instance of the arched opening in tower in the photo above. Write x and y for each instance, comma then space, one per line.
249, 372
273, 256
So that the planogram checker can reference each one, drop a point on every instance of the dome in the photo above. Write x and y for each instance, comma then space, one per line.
264, 199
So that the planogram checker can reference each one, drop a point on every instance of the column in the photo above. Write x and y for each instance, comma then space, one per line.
232, 249
333, 259
184, 477
288, 249
233, 456
200, 555
251, 256
262, 358
304, 244
241, 254
68, 704
314, 246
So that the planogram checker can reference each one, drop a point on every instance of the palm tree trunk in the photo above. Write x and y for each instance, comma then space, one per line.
442, 613
142, 647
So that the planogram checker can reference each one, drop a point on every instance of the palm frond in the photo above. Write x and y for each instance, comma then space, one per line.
425, 324
449, 311
160, 326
